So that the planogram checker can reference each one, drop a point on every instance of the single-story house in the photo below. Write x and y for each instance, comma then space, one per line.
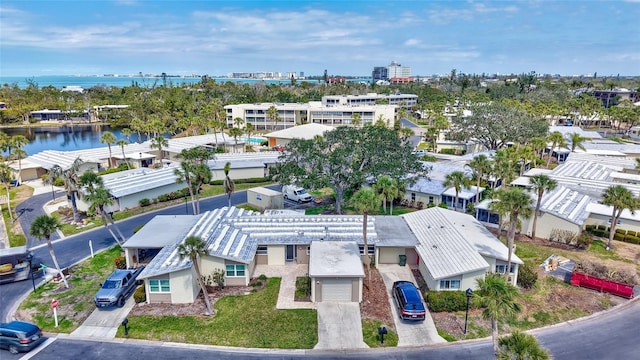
600, 214
305, 132
243, 165
331, 245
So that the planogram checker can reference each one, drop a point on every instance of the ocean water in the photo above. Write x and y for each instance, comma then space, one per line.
60, 81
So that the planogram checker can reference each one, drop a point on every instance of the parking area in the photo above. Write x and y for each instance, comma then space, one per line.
339, 326
410, 333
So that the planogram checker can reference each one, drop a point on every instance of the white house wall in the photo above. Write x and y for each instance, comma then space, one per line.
547, 223
184, 288
235, 174
390, 255
133, 200
276, 254
626, 224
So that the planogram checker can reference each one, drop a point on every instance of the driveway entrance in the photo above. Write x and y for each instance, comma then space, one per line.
104, 323
410, 333
339, 326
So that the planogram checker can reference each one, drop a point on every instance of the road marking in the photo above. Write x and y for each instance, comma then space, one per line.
34, 352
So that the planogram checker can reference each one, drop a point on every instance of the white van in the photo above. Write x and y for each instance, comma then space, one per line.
296, 193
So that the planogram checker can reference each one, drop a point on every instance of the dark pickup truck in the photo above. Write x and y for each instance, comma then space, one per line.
117, 288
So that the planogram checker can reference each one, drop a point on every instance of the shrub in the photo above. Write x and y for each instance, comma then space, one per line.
120, 262
303, 286
618, 236
144, 202
448, 151
632, 233
621, 231
443, 205
563, 236
446, 300
140, 295
632, 239
218, 278
58, 182
590, 228
419, 205
602, 227
262, 277
584, 240
598, 232
527, 276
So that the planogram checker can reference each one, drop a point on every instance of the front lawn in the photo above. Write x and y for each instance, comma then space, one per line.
241, 321
372, 338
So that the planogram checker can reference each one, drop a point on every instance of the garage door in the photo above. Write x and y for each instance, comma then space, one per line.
336, 290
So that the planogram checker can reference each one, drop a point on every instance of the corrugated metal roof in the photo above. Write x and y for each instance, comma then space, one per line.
161, 231
567, 204
444, 249
133, 181
306, 132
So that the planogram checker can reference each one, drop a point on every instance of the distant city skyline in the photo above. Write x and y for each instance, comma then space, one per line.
345, 38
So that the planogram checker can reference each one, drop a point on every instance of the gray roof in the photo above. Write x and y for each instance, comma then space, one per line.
445, 245
161, 231
427, 186
133, 181
50, 158
568, 130
566, 203
335, 259
244, 160
393, 231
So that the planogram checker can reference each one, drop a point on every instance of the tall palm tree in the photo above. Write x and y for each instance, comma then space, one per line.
480, 165
71, 179
43, 227
356, 119
18, 142
235, 132
366, 200
273, 116
100, 197
383, 187
122, 143
184, 174
249, 129
557, 140
126, 132
498, 301
229, 185
540, 184
517, 203
5, 178
458, 180
539, 145
619, 198
576, 142
193, 248
521, 346
108, 138
159, 142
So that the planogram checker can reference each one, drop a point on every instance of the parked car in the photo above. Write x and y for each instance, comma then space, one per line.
419, 152
117, 288
296, 193
19, 336
408, 301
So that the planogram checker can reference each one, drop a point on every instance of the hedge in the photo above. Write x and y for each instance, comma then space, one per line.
618, 236
446, 300
621, 231
242, 181
632, 239
140, 295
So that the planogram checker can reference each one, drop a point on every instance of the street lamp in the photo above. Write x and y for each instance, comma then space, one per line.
33, 281
469, 293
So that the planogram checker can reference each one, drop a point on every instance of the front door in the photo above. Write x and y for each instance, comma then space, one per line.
291, 253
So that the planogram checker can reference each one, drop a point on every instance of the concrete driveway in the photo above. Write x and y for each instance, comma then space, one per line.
410, 333
339, 326
104, 322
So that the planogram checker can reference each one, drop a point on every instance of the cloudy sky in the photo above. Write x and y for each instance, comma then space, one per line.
345, 37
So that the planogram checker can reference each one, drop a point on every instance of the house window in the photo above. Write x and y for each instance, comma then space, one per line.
308, 250
372, 249
159, 286
262, 250
502, 268
235, 270
449, 284
413, 196
430, 199
617, 222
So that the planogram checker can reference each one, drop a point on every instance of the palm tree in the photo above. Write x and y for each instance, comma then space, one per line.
383, 187
249, 129
366, 200
539, 145
356, 119
620, 198
159, 142
458, 180
540, 184
5, 178
100, 197
238, 122
498, 299
235, 133
229, 185
576, 142
184, 173
126, 132
557, 140
517, 203
521, 346
480, 165
17, 143
273, 116
193, 248
42, 228
71, 181
108, 138
122, 144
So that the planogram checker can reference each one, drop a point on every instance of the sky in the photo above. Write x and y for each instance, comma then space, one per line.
344, 37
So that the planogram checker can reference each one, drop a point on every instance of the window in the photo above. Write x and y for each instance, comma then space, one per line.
617, 222
159, 286
413, 196
449, 284
262, 250
308, 250
235, 270
372, 249
502, 268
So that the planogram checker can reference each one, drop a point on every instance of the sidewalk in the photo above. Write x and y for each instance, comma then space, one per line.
4, 236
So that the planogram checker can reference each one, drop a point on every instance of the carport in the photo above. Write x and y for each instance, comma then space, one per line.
336, 271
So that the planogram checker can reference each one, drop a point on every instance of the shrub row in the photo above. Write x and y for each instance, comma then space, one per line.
165, 197
243, 181
629, 236
446, 300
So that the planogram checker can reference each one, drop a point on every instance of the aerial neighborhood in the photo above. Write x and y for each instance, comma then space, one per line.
333, 192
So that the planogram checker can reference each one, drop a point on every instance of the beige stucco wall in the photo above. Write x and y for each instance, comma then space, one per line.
424, 197
469, 280
390, 255
245, 173
412, 256
428, 279
238, 281
155, 298
547, 223
184, 286
208, 264
133, 200
595, 219
276, 254
302, 257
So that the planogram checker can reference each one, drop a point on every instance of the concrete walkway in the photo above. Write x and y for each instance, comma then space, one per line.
339, 326
104, 323
410, 333
288, 273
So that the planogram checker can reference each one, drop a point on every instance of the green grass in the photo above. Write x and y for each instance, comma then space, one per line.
371, 337
15, 239
248, 207
240, 321
599, 249
83, 284
445, 335
317, 210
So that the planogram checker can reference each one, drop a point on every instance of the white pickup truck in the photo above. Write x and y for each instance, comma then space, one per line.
296, 193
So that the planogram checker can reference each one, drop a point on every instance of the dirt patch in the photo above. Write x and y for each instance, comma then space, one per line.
375, 301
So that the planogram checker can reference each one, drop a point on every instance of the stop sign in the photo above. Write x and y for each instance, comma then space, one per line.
54, 303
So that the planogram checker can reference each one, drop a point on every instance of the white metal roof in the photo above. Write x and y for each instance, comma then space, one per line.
335, 259
566, 203
133, 181
465, 193
161, 231
305, 132
605, 210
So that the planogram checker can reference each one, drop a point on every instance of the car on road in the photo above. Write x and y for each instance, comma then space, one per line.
20, 336
419, 152
296, 193
408, 301
117, 288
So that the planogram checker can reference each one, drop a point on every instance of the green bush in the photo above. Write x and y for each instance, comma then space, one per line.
144, 202
618, 236
140, 295
446, 300
632, 233
621, 231
602, 227
527, 276
590, 228
121, 167
58, 182
303, 287
242, 181
584, 240
632, 239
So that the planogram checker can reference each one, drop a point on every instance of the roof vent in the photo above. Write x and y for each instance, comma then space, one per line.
435, 246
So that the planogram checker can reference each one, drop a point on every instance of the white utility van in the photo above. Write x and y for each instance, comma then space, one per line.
296, 193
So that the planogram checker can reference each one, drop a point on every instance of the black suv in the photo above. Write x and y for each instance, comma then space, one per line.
18, 336
408, 301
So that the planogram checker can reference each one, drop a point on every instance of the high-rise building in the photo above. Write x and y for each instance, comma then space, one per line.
379, 73
397, 71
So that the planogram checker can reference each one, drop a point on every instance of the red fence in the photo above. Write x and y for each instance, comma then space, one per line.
602, 285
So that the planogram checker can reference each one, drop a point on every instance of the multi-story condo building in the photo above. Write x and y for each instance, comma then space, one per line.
613, 97
398, 73
333, 110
